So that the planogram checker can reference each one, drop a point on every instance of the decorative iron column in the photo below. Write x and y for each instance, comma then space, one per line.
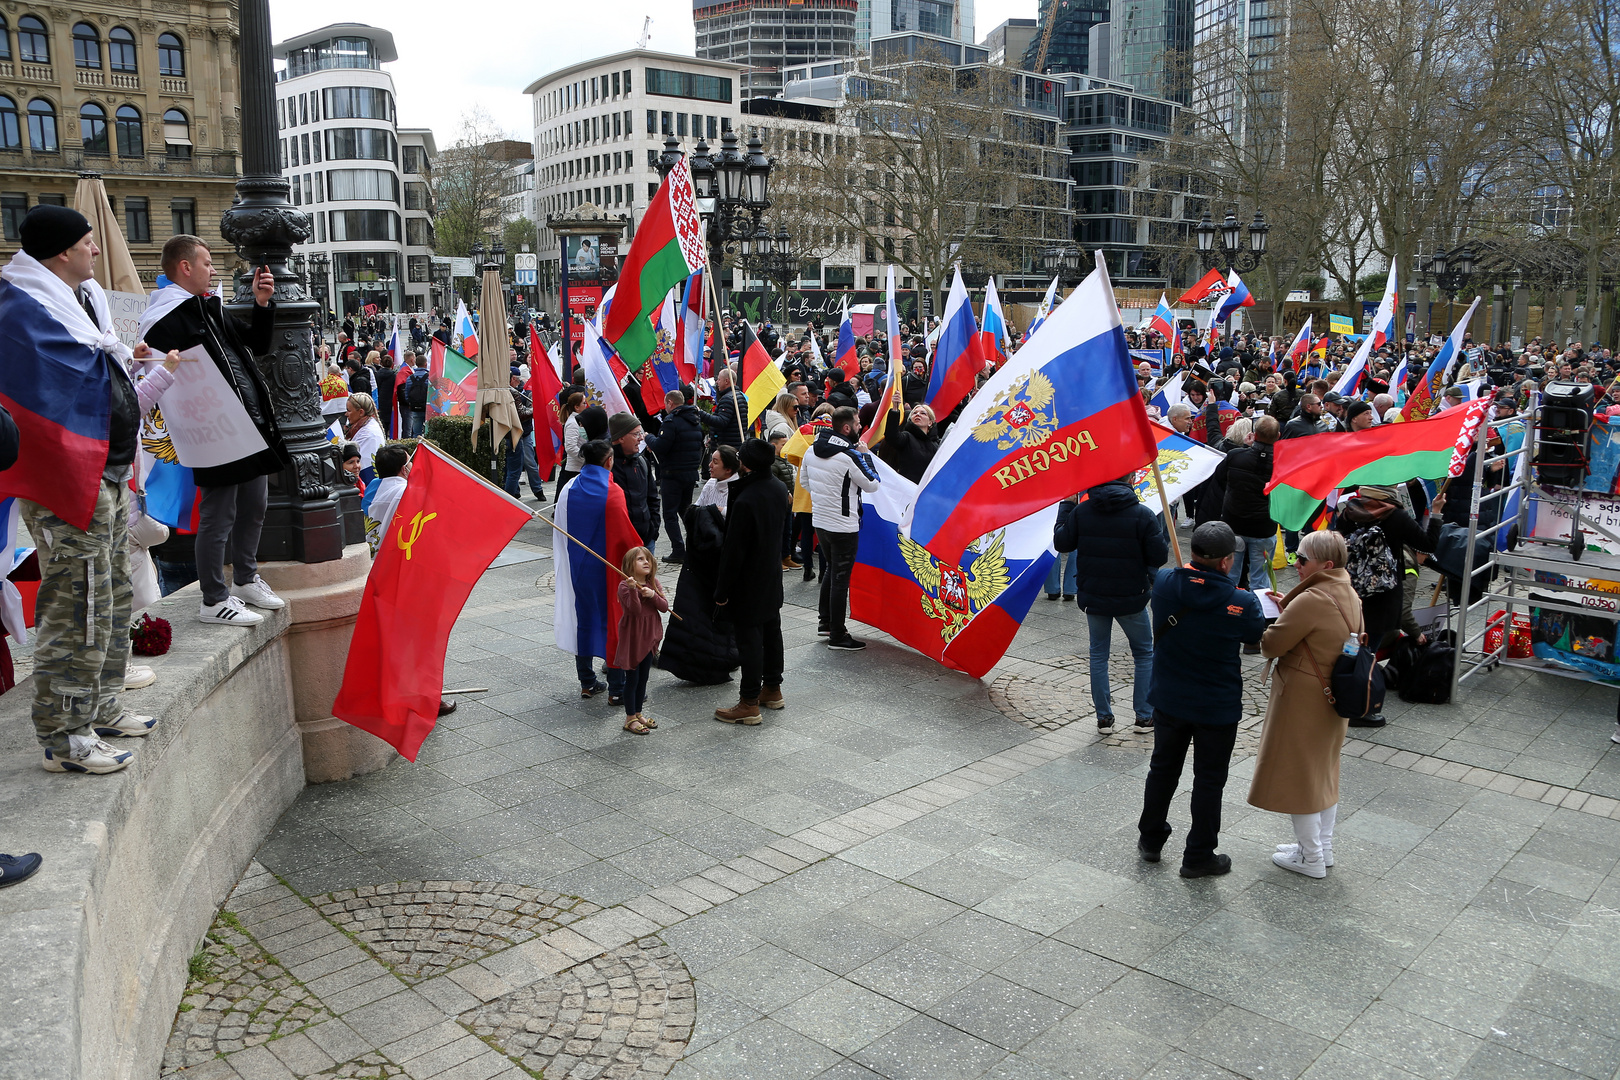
311, 514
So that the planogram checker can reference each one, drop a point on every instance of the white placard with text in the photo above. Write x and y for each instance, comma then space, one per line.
206, 420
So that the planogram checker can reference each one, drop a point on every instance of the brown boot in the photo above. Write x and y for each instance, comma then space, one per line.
746, 711
770, 697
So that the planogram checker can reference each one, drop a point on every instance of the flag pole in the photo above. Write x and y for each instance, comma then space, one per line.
720, 343
593, 551
1164, 502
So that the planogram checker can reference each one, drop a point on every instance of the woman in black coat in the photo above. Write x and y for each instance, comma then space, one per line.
909, 448
695, 648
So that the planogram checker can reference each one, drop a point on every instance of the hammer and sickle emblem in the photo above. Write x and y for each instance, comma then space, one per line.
418, 523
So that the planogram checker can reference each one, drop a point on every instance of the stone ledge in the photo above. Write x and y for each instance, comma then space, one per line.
137, 862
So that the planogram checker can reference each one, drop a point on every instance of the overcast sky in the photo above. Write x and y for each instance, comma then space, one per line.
484, 52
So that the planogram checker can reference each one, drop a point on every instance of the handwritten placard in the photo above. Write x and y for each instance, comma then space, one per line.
206, 420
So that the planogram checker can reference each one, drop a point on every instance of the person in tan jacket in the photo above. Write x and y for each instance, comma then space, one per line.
1297, 771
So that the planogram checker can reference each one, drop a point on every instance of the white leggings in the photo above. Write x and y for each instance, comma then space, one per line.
1315, 831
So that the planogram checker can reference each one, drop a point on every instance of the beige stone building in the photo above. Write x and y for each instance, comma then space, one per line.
144, 92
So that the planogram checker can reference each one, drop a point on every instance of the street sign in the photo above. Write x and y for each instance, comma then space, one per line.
525, 261
462, 268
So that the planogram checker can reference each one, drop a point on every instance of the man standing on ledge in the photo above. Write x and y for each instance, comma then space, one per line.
183, 315
1199, 621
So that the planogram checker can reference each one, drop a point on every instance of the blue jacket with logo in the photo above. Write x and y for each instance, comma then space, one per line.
1197, 677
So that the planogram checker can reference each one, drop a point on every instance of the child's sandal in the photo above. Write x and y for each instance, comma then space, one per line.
649, 721
635, 726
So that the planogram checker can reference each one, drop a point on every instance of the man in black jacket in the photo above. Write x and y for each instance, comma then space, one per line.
633, 473
234, 496
748, 592
1119, 546
679, 450
1243, 475
722, 425
1308, 422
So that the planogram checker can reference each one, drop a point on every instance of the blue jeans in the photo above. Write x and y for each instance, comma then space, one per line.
1068, 578
411, 423
519, 460
1257, 555
585, 668
1139, 632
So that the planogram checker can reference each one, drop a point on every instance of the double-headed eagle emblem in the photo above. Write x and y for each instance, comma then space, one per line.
1021, 416
953, 595
155, 438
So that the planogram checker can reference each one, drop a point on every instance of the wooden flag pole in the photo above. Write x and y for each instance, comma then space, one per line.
724, 357
1164, 502
596, 553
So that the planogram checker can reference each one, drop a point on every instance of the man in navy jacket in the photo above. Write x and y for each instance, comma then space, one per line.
1200, 619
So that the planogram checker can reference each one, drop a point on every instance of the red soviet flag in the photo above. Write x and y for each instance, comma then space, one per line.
545, 387
449, 527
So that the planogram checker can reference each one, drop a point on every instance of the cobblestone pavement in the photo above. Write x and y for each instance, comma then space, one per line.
908, 873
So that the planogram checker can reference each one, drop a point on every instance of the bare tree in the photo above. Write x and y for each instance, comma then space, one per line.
468, 181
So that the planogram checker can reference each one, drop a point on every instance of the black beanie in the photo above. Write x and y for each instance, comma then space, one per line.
47, 231
757, 454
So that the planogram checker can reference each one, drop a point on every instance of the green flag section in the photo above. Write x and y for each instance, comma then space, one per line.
667, 249
455, 387
1305, 471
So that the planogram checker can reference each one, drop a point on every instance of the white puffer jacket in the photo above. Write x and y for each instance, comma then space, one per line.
835, 472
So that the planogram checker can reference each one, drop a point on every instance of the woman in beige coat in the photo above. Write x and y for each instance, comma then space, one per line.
1297, 772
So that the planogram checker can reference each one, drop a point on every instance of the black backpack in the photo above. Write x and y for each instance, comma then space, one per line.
416, 390
1356, 687
1426, 678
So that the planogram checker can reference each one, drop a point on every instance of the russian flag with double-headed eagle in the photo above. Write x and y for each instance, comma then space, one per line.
1061, 415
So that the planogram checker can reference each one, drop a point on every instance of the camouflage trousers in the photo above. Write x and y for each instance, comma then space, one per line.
81, 620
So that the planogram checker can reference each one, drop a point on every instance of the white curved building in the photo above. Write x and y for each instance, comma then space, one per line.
340, 148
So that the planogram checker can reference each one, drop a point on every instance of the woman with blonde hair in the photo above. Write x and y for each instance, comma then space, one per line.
363, 428
782, 418
1297, 770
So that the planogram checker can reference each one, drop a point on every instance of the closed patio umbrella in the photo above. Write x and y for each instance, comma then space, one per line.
494, 401
115, 270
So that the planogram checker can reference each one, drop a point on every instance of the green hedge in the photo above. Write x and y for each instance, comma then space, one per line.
453, 435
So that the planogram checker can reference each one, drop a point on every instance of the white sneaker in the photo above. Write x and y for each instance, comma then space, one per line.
1299, 865
257, 593
137, 676
1293, 849
127, 726
88, 755
230, 611
1615, 738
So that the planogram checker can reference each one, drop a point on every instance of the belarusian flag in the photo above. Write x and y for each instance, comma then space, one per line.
1305, 471
667, 249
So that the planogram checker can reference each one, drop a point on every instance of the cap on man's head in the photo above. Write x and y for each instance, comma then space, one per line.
1355, 409
47, 231
1332, 397
1376, 492
757, 454
1454, 392
1214, 540
621, 424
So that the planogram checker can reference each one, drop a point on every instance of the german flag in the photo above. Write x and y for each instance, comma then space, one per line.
761, 379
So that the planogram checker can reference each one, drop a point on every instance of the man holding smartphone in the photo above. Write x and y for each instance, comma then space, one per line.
181, 316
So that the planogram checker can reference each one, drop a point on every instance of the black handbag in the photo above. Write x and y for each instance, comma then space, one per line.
1356, 688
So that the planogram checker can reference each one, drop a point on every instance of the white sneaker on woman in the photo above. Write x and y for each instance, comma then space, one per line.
1312, 868
1293, 849
230, 611
257, 593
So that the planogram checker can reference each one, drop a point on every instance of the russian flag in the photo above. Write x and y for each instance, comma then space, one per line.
1164, 320
469, 335
1042, 311
847, 359
992, 327
1170, 393
1237, 297
55, 388
591, 510
957, 361
962, 615
659, 375
1062, 415
689, 351
1397, 382
1302, 341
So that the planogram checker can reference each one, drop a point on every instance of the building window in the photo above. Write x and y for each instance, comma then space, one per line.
42, 126
10, 125
131, 144
183, 216
5, 39
370, 144
666, 123
416, 196
713, 129
320, 228
317, 146
652, 159
839, 277
320, 187
303, 142
628, 126
627, 81
303, 108
137, 220
680, 124
652, 122
615, 84
177, 136
86, 46
652, 192
871, 281
346, 184
363, 266
171, 56
688, 84
58, 199
417, 267
416, 160
281, 114
13, 207
307, 190
121, 49
419, 232
358, 102
33, 45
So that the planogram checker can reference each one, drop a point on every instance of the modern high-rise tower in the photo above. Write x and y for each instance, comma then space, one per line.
1150, 46
1062, 35
765, 36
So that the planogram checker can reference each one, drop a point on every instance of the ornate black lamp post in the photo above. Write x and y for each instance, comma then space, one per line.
304, 522
1451, 272
773, 259
1062, 263
1231, 254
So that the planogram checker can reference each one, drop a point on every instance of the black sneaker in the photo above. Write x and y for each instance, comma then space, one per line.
1051, 596
1375, 720
674, 560
592, 691
1214, 867
1068, 596
809, 574
821, 630
845, 644
1144, 725
1105, 725
1149, 854
15, 868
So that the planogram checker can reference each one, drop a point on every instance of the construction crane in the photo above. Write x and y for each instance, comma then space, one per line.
1046, 35
646, 33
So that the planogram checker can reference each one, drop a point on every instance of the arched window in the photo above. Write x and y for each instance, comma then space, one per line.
93, 128
10, 126
171, 56
42, 126
33, 44
86, 46
5, 39
177, 135
131, 143
121, 49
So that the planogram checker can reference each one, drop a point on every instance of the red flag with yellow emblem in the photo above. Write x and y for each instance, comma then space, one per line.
448, 528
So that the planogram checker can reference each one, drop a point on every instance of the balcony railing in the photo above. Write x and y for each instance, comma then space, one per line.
171, 85
37, 72
90, 78
125, 81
